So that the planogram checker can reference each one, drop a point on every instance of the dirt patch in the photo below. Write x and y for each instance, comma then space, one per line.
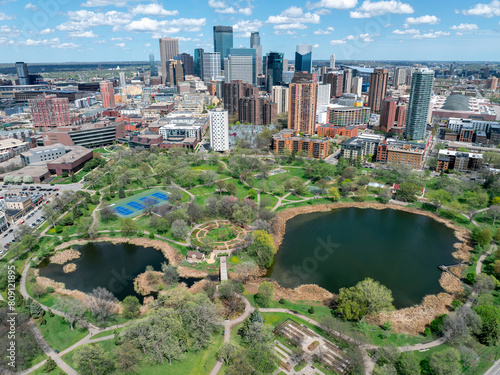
413, 320
64, 256
191, 272
458, 271
60, 289
70, 267
173, 256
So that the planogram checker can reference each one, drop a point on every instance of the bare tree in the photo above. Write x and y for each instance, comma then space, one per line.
460, 325
494, 212
107, 212
74, 311
244, 270
149, 203
102, 303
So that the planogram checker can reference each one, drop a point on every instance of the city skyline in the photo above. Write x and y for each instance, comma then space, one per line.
126, 30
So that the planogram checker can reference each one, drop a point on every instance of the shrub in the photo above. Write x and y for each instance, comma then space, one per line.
456, 304
471, 277
427, 332
59, 229
151, 235
311, 310
282, 301
49, 289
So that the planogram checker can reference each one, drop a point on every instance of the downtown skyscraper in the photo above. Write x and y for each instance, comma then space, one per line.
223, 41
420, 99
255, 44
169, 48
378, 89
303, 58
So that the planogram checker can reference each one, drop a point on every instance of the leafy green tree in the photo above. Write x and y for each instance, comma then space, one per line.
334, 194
265, 294
366, 297
179, 229
121, 193
227, 352
93, 360
128, 358
439, 197
131, 307
408, 191
128, 226
490, 330
408, 364
262, 248
170, 273
482, 236
446, 362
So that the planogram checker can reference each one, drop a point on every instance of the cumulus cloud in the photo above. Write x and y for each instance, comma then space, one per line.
327, 31
431, 20
4, 17
104, 3
333, 4
166, 27
153, 9
31, 7
337, 42
84, 19
243, 28
484, 10
9, 31
46, 31
285, 32
48, 43
406, 32
293, 17
465, 27
378, 8
431, 35
121, 45
79, 34
224, 8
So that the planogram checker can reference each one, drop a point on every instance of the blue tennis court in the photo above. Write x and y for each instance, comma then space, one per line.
161, 196
123, 211
149, 199
136, 205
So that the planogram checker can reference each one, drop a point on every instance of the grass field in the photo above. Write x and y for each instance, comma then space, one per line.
58, 334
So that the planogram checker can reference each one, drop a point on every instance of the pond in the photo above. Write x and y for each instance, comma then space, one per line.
339, 248
112, 266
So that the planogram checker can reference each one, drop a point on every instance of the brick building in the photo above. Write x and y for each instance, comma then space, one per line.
108, 94
234, 91
257, 111
342, 131
287, 140
302, 107
49, 112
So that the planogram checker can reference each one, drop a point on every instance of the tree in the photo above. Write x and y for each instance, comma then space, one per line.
93, 360
107, 212
121, 193
128, 358
128, 226
322, 184
28, 180
408, 364
446, 362
131, 307
483, 283
262, 248
459, 325
494, 212
439, 197
179, 229
229, 291
333, 192
265, 294
170, 273
74, 311
209, 177
102, 303
85, 226
490, 329
407, 192
227, 352
244, 270
366, 297
149, 204
194, 212
482, 236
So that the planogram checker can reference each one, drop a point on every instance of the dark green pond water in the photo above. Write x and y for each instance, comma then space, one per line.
339, 248
104, 264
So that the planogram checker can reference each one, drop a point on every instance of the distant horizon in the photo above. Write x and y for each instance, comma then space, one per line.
354, 30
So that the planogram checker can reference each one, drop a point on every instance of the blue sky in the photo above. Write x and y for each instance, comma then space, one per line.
117, 30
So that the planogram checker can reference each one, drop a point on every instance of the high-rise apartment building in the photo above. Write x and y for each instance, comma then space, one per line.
175, 72
274, 69
332, 61
492, 83
219, 129
280, 97
23, 76
400, 76
169, 48
152, 65
107, 94
302, 107
420, 98
257, 111
241, 64
255, 44
187, 63
335, 80
348, 76
211, 65
324, 92
123, 80
233, 91
357, 86
378, 88
303, 58
49, 112
223, 41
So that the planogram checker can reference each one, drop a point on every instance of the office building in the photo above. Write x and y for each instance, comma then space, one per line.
348, 76
255, 44
357, 86
219, 129
332, 61
23, 76
418, 109
287, 139
169, 48
302, 107
257, 111
175, 72
123, 80
187, 63
335, 80
211, 66
241, 65
378, 88
400, 76
49, 112
280, 97
323, 94
492, 83
392, 115
107, 94
233, 91
401, 153
303, 58
461, 161
274, 69
198, 62
338, 115
153, 70
223, 41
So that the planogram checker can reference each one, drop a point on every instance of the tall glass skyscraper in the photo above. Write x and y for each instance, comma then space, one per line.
223, 41
274, 69
152, 66
303, 58
198, 62
420, 98
211, 65
241, 65
255, 44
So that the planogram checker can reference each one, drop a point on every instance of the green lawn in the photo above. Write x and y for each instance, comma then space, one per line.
58, 334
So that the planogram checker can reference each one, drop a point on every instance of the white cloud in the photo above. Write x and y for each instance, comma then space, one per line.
465, 27
84, 19
293, 15
290, 26
245, 11
229, 10
153, 9
31, 6
4, 17
217, 4
431, 35
243, 28
327, 31
50, 43
315, 45
114, 39
147, 45
9, 31
366, 38
431, 20
285, 32
66, 45
224, 8
406, 32
165, 27
485, 10
121, 45
333, 4
85, 34
46, 31
337, 42
104, 3
323, 11
372, 9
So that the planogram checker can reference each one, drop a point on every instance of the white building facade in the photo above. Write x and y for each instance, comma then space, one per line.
219, 129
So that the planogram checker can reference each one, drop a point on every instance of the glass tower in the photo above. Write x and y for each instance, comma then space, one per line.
223, 41
152, 66
244, 69
198, 62
303, 58
255, 44
418, 109
274, 69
